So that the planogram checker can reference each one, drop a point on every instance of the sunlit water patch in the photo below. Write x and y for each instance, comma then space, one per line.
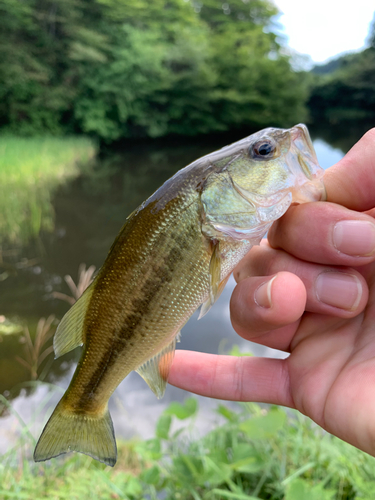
327, 155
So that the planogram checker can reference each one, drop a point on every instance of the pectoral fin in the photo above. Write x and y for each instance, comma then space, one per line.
155, 371
215, 272
216, 286
69, 333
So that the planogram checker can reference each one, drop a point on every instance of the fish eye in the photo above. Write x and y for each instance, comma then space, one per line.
262, 149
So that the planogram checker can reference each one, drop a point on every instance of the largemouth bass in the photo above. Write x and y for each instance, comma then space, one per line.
174, 253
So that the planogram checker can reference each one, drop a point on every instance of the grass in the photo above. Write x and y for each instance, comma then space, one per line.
255, 454
30, 170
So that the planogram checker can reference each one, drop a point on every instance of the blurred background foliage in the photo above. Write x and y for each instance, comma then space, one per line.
130, 68
344, 89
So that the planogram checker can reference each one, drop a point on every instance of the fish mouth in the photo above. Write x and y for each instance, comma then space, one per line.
302, 142
310, 191
310, 184
301, 137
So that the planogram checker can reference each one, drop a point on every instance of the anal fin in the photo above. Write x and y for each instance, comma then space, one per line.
155, 371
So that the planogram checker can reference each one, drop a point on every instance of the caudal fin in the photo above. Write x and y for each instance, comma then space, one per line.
67, 431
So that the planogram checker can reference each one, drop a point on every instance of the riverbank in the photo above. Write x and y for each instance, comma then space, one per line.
30, 170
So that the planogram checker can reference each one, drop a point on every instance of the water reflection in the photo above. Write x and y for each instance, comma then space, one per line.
30, 171
89, 212
341, 136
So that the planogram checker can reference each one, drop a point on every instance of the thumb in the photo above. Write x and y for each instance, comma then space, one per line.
351, 182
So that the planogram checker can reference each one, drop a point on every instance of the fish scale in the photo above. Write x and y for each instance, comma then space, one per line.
174, 253
146, 320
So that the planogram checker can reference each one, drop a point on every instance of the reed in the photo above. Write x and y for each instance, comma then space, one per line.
30, 171
85, 278
35, 350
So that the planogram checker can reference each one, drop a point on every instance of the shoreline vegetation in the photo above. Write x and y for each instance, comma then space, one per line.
252, 454
30, 170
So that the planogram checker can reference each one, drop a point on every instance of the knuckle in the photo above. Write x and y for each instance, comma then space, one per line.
238, 380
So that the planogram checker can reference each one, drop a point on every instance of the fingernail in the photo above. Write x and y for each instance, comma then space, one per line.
263, 296
339, 290
356, 238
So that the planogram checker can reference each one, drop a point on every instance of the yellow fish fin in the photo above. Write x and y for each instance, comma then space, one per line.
69, 333
216, 286
155, 371
86, 433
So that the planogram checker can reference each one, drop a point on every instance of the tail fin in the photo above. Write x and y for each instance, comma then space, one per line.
68, 431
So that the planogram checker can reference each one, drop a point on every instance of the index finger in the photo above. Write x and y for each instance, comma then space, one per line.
232, 378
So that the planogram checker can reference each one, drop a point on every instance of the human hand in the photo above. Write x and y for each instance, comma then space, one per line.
308, 290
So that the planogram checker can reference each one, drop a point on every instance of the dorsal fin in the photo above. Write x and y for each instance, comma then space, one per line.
69, 333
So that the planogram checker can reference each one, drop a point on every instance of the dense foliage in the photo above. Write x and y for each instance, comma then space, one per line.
256, 454
344, 91
126, 68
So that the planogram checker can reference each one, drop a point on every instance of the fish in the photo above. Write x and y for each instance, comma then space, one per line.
174, 253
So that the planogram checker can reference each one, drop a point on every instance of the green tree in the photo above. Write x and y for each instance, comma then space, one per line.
348, 93
344, 89
126, 68
371, 36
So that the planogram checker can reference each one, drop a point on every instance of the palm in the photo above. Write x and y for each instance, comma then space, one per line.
331, 360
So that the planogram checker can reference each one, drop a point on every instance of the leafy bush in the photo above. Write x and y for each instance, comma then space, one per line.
131, 68
256, 454
347, 94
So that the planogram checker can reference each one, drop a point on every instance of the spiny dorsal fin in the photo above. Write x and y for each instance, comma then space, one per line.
69, 333
155, 371
216, 286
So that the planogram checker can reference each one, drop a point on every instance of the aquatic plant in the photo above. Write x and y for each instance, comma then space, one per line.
35, 351
85, 277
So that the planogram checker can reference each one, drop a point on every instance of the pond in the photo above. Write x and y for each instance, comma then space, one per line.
88, 213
